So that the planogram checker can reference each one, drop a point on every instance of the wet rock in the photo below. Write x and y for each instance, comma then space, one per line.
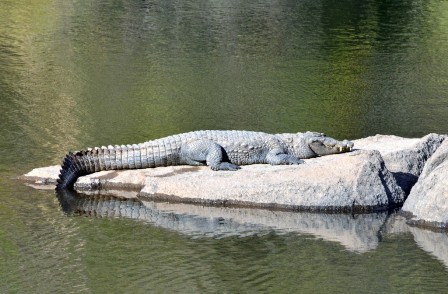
405, 158
427, 204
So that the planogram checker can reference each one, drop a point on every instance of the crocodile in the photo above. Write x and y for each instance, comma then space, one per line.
220, 150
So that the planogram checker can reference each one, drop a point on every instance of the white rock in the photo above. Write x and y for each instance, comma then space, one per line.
50, 173
428, 200
336, 182
386, 144
42, 177
405, 158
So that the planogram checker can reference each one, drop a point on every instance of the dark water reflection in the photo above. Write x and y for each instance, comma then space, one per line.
358, 233
77, 74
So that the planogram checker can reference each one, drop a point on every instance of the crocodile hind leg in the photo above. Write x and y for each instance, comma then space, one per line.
206, 152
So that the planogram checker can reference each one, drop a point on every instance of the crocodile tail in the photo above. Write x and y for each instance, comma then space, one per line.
114, 158
72, 168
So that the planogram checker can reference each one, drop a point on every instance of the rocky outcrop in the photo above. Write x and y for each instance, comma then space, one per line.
362, 180
355, 181
406, 164
427, 203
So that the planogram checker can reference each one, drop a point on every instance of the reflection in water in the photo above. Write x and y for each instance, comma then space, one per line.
435, 243
359, 233
355, 232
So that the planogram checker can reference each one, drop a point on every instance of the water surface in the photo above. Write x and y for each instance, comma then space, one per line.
81, 74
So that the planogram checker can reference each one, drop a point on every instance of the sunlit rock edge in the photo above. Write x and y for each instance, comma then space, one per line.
375, 176
427, 203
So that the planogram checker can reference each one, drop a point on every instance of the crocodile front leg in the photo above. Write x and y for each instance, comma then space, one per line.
279, 157
206, 152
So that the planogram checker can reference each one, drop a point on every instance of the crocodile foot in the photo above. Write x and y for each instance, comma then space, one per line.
226, 166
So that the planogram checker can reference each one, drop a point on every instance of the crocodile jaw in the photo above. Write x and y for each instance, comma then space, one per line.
327, 147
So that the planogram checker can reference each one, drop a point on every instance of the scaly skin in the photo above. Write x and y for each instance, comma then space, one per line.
220, 150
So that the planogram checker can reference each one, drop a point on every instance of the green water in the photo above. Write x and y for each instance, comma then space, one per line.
75, 74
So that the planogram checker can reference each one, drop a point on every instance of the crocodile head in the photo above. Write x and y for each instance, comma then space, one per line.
313, 144
322, 145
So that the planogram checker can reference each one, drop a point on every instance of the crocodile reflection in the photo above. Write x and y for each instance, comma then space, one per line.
358, 233
355, 232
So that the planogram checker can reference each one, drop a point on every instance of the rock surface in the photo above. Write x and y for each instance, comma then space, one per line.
363, 180
42, 177
428, 201
386, 144
406, 164
344, 182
